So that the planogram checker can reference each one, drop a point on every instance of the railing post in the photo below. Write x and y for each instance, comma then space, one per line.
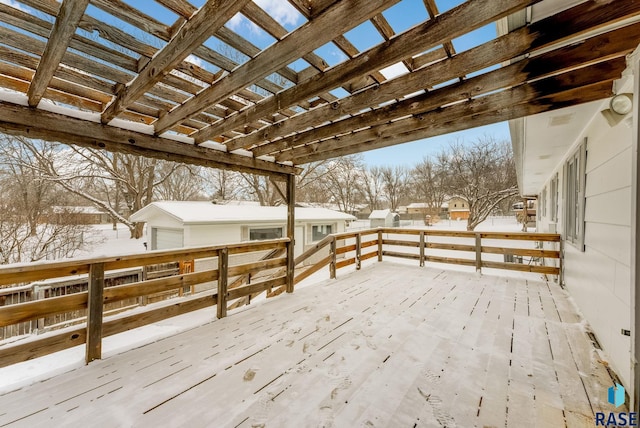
422, 248
379, 245
95, 306
358, 244
332, 265
223, 269
478, 252
291, 204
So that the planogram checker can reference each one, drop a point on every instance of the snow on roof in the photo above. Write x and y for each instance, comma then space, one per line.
379, 214
418, 205
207, 212
58, 209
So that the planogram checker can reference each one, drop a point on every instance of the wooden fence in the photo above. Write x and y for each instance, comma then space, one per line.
236, 285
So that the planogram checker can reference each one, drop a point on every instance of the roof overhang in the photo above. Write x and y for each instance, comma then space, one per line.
541, 141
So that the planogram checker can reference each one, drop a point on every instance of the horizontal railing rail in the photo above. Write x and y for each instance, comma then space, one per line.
230, 282
96, 326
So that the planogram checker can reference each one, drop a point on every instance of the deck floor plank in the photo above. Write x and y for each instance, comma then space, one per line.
390, 345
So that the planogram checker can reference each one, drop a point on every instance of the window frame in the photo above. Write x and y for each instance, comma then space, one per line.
252, 228
574, 196
332, 226
553, 196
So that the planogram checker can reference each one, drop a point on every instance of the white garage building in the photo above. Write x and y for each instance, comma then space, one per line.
173, 224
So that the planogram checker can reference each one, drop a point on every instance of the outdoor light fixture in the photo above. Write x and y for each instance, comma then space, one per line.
619, 106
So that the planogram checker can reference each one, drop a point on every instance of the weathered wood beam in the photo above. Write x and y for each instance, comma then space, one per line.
315, 33
582, 95
575, 97
453, 23
534, 95
570, 23
67, 21
432, 10
600, 48
208, 19
23, 121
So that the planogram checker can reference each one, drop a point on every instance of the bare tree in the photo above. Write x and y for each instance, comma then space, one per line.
429, 182
222, 184
183, 183
117, 183
483, 173
395, 184
29, 230
371, 187
309, 185
343, 175
262, 189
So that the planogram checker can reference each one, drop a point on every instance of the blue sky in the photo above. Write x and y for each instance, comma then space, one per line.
402, 16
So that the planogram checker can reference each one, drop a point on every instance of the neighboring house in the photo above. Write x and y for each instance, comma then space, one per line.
582, 164
77, 215
354, 210
418, 208
458, 208
173, 224
384, 218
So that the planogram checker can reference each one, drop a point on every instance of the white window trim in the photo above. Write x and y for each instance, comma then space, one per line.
334, 229
575, 221
250, 228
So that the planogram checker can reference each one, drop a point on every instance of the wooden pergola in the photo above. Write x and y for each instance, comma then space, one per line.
113, 88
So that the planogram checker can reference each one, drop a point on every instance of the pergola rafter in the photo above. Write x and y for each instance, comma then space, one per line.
288, 103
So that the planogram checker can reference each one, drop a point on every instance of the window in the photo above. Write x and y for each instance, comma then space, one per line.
320, 231
574, 173
259, 233
543, 202
553, 203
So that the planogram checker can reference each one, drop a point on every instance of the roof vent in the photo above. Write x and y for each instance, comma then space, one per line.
561, 119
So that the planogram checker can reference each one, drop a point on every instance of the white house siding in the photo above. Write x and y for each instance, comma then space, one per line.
599, 279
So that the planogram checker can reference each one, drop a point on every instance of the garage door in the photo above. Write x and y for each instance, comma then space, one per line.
165, 239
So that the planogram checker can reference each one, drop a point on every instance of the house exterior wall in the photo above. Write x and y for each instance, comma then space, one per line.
459, 215
598, 275
458, 209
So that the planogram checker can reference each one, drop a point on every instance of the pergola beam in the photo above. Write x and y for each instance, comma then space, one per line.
511, 45
504, 113
576, 87
40, 124
451, 24
603, 47
69, 16
334, 21
207, 20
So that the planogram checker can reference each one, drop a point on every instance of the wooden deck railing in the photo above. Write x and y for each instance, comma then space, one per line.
231, 285
96, 326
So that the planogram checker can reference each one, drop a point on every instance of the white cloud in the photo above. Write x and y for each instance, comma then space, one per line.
192, 59
395, 70
235, 22
239, 22
14, 5
281, 11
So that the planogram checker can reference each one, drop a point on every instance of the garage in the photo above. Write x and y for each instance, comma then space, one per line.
165, 239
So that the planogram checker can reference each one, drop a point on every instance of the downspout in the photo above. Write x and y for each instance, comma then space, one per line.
635, 242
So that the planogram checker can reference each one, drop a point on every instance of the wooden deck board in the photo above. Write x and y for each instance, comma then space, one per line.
390, 345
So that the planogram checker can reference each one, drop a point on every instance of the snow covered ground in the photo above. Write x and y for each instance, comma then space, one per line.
390, 345
116, 241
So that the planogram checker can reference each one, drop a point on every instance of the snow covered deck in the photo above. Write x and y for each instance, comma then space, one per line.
389, 345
